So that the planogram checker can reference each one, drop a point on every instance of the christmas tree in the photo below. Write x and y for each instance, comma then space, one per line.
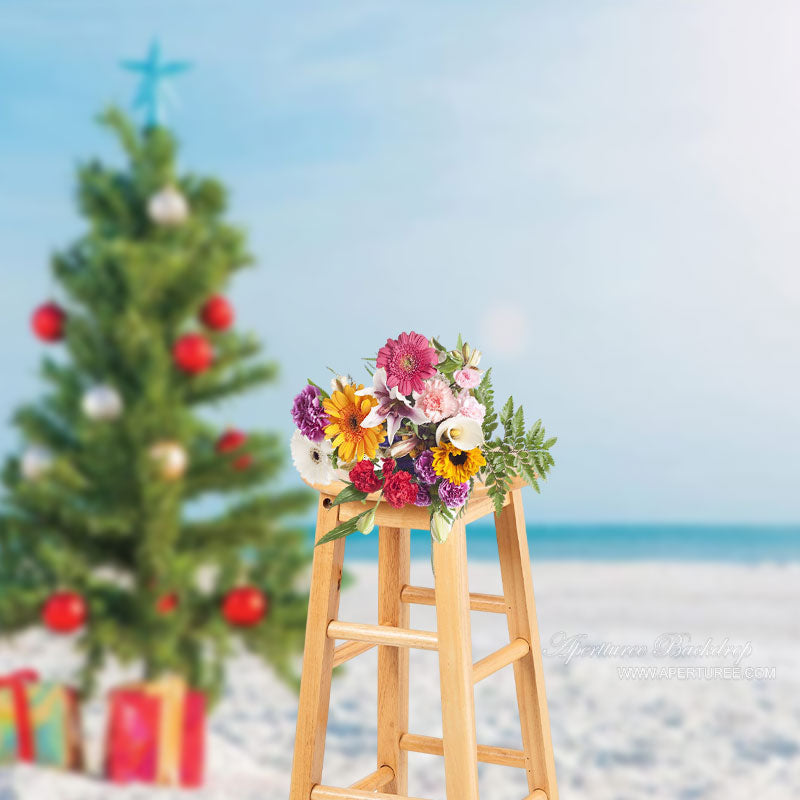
101, 531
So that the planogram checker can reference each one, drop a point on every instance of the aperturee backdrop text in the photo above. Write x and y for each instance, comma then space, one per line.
421, 434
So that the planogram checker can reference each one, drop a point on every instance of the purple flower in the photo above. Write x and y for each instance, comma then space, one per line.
453, 495
423, 498
423, 466
309, 415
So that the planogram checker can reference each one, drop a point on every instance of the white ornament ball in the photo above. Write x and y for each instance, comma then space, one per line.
171, 458
168, 207
36, 462
102, 403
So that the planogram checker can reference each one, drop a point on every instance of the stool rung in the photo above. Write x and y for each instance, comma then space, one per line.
512, 652
383, 634
375, 781
344, 652
538, 794
504, 756
332, 793
493, 603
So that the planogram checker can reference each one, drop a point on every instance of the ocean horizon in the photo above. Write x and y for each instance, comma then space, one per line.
717, 542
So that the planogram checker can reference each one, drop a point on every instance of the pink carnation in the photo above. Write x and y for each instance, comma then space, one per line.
467, 378
437, 400
468, 406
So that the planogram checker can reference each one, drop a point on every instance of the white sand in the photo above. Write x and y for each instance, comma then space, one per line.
614, 739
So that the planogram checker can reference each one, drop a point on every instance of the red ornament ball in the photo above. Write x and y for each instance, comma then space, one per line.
244, 606
65, 612
193, 353
243, 462
48, 321
217, 313
167, 603
233, 440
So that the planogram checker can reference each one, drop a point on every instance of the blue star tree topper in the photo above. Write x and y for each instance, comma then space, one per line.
154, 91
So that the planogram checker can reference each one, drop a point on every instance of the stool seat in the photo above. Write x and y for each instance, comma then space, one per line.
452, 642
418, 519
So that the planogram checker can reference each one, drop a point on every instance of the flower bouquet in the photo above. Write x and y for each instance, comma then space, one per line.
421, 434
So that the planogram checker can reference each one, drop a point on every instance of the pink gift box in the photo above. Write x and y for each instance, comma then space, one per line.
155, 736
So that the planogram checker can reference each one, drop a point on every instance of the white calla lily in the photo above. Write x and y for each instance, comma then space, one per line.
462, 432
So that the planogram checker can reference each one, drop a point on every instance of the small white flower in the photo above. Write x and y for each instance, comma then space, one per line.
463, 432
312, 459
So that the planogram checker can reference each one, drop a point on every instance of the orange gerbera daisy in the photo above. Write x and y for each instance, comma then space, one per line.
347, 411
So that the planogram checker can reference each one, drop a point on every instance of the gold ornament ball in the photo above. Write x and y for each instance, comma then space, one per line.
171, 458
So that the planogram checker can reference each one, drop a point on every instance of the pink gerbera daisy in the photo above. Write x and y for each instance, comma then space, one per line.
408, 361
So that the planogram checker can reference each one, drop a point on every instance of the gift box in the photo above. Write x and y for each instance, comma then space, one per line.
39, 721
156, 734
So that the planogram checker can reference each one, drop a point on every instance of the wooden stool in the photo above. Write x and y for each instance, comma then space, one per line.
452, 639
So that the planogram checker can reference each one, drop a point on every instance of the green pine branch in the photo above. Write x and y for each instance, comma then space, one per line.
237, 380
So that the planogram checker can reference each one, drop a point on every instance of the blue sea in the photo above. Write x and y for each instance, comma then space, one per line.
743, 544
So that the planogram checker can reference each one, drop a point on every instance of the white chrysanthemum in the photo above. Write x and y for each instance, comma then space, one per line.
312, 459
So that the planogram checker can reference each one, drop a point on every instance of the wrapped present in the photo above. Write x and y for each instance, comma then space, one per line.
156, 734
16, 729
131, 743
39, 721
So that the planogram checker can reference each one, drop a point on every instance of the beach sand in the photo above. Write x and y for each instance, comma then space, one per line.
614, 739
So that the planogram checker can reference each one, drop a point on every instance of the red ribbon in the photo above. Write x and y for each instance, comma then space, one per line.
16, 682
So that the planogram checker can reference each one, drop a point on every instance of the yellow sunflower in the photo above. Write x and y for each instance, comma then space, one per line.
457, 466
346, 412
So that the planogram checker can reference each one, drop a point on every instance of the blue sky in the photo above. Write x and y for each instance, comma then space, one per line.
600, 195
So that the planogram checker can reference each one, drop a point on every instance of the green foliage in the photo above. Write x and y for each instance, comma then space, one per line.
103, 521
484, 394
348, 495
517, 452
344, 528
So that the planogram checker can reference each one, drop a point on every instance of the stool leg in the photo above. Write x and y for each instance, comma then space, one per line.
315, 683
393, 573
455, 665
515, 566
